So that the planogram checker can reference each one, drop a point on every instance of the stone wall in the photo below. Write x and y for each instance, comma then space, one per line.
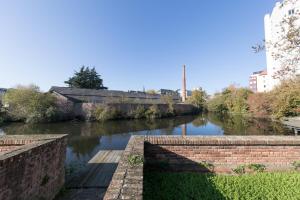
177, 153
34, 168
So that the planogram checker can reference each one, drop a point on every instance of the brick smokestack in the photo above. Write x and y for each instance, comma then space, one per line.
183, 85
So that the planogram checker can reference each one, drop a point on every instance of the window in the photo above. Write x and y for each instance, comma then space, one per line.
291, 12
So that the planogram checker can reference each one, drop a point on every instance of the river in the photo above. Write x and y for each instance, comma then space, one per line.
87, 138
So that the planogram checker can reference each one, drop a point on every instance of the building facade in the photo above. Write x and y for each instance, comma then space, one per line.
258, 81
274, 38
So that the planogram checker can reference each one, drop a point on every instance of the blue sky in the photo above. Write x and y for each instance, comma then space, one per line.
132, 43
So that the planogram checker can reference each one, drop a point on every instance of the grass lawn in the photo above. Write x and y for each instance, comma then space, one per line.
195, 186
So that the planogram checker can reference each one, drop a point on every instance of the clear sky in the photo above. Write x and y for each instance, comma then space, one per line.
132, 43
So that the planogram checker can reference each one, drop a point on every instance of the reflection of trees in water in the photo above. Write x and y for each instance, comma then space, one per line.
241, 125
83, 145
200, 121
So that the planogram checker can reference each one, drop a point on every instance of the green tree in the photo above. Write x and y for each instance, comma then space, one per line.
199, 99
30, 105
86, 78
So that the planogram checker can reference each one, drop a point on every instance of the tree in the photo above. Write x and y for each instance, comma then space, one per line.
151, 91
86, 78
286, 50
198, 99
27, 103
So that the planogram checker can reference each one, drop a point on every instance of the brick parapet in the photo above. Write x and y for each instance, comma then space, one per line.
127, 181
185, 154
34, 170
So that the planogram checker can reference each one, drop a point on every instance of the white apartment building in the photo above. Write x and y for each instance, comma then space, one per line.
274, 33
258, 81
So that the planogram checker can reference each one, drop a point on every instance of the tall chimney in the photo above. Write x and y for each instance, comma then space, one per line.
183, 85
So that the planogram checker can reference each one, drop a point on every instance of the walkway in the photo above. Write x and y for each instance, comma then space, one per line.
91, 184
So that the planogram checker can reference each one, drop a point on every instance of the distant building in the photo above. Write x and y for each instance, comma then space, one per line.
168, 92
78, 95
258, 81
273, 35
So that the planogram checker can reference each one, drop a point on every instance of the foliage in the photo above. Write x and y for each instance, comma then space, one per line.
104, 113
241, 169
30, 105
257, 167
282, 101
232, 100
86, 78
153, 112
217, 104
207, 165
135, 160
254, 167
151, 91
198, 99
186, 186
167, 99
259, 104
139, 112
285, 99
296, 164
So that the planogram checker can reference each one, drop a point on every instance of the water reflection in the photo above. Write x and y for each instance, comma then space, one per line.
86, 139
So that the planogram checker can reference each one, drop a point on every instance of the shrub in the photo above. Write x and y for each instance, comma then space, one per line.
285, 99
139, 112
241, 169
30, 105
103, 113
259, 104
167, 99
153, 112
257, 167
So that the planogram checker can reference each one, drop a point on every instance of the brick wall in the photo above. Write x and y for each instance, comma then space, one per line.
33, 171
177, 153
127, 181
225, 153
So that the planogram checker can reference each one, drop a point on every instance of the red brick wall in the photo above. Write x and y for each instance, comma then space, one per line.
225, 153
33, 172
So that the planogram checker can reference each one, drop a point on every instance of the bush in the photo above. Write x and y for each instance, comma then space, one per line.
139, 112
259, 104
104, 113
30, 105
167, 99
153, 112
285, 99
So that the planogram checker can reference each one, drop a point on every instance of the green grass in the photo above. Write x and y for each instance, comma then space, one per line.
195, 186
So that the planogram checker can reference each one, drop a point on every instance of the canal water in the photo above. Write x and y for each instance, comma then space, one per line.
86, 139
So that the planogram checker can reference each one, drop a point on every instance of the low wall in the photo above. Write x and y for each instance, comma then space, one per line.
177, 153
224, 153
31, 167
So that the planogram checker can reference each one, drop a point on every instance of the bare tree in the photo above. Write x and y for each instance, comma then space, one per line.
286, 50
